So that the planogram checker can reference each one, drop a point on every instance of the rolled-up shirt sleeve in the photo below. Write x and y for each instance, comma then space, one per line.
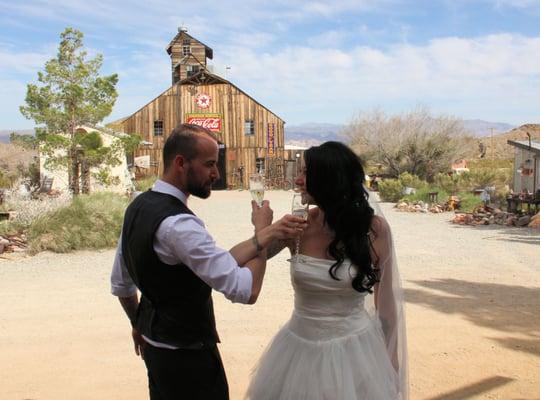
184, 239
121, 283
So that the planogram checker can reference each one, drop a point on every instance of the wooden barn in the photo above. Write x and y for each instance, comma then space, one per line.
251, 136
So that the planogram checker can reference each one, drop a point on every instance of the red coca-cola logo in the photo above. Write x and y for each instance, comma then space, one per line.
213, 124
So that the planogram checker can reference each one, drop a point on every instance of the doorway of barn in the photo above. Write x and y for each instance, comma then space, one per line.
221, 183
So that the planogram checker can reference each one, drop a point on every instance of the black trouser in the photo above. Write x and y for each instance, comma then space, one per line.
185, 374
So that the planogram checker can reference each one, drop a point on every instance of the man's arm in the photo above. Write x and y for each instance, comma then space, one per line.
130, 305
122, 286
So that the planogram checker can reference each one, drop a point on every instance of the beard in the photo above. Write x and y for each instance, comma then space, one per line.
196, 187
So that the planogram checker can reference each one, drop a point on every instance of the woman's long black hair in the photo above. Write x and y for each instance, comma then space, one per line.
334, 178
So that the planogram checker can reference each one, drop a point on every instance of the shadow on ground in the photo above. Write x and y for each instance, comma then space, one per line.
505, 308
506, 233
475, 389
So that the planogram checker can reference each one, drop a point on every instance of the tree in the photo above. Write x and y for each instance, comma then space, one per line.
415, 142
70, 93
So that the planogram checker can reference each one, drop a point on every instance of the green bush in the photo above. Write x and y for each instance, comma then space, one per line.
6, 179
409, 180
468, 201
423, 195
452, 183
145, 183
89, 222
390, 190
483, 177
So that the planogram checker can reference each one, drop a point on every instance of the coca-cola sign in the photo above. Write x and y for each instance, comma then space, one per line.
208, 121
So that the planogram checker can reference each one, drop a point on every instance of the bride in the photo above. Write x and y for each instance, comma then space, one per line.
346, 337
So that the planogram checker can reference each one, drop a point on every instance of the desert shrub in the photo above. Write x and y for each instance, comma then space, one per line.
452, 183
89, 222
390, 190
27, 209
468, 201
6, 179
409, 180
145, 183
484, 177
423, 195
496, 163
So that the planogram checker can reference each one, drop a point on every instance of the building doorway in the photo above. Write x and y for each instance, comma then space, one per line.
221, 183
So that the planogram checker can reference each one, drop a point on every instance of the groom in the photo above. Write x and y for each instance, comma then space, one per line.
166, 253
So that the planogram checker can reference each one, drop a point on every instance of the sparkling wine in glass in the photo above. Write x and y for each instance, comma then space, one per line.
256, 188
300, 209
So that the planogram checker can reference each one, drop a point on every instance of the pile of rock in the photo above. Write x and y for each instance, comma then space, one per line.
419, 206
486, 215
13, 243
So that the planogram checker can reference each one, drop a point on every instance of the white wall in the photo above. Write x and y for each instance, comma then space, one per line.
60, 177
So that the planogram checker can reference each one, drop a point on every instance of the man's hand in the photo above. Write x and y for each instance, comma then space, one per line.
261, 216
139, 342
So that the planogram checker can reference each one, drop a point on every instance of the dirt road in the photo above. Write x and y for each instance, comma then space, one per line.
473, 301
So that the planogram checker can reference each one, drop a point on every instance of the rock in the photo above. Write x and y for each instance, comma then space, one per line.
523, 221
534, 223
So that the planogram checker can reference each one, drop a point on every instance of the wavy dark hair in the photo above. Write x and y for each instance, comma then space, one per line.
334, 178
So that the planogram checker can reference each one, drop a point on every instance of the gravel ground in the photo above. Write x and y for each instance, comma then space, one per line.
473, 301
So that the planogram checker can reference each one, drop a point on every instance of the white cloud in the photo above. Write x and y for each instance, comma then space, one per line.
516, 3
450, 72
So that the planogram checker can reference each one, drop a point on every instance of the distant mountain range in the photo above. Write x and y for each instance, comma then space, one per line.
4, 134
312, 134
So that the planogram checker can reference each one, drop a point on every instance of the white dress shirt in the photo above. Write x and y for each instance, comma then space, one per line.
183, 239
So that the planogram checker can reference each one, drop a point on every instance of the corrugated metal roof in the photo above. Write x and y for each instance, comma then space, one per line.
524, 144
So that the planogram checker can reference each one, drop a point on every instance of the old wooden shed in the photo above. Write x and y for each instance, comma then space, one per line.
251, 136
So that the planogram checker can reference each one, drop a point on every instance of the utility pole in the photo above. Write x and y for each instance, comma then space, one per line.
492, 146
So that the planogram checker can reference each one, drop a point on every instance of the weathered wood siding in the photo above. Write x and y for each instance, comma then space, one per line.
234, 108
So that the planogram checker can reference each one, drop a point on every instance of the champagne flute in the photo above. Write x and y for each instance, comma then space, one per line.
256, 188
299, 208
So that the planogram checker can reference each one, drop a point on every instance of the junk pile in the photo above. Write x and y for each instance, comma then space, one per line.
419, 206
486, 215
13, 243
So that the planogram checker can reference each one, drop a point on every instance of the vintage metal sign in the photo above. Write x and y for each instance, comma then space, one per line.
203, 100
206, 120
270, 140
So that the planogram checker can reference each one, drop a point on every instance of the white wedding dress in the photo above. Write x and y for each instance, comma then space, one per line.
331, 348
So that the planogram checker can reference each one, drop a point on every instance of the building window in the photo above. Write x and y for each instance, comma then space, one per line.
249, 127
192, 69
186, 42
186, 50
158, 128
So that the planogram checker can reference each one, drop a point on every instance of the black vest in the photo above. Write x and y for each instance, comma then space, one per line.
176, 306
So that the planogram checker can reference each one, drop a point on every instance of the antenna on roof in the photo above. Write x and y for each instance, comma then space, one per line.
182, 28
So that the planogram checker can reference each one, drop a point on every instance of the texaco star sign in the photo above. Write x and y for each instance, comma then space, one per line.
203, 100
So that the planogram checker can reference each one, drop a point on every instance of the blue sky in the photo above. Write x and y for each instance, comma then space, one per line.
307, 61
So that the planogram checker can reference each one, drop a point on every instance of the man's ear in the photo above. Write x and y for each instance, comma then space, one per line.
179, 161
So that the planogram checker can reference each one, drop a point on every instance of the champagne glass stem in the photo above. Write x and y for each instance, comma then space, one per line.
297, 249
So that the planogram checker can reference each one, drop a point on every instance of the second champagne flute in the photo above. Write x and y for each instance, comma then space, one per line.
300, 209
256, 188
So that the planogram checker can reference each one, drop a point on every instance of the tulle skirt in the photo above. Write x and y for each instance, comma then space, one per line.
351, 366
